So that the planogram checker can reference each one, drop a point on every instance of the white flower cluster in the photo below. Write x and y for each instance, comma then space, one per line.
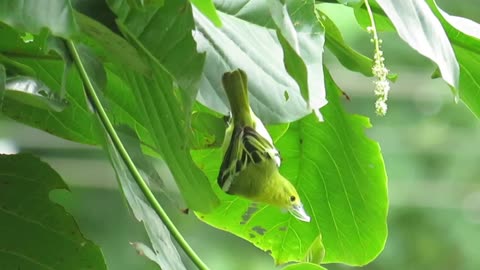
382, 85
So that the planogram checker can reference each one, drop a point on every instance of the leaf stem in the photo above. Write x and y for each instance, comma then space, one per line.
374, 28
91, 93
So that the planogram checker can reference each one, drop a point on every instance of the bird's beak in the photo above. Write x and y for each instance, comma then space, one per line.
298, 212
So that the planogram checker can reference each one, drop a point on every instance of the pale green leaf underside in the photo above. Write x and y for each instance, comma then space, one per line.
464, 34
248, 40
164, 252
417, 25
32, 16
163, 248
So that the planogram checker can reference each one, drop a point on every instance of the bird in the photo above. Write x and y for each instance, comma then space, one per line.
250, 165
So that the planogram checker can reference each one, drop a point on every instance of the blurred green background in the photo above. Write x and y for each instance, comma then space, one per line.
431, 147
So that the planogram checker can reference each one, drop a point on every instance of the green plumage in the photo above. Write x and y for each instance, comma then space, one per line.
250, 164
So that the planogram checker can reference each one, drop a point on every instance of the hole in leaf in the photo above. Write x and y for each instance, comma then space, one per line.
286, 95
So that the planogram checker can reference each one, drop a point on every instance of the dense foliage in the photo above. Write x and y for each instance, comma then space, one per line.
142, 78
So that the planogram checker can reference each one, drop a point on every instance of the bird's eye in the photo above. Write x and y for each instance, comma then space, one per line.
292, 198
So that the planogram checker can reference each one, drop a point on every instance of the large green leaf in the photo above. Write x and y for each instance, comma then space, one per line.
166, 34
74, 122
207, 130
341, 179
12, 42
71, 120
32, 16
163, 251
170, 121
158, 105
469, 88
33, 92
145, 4
36, 233
302, 36
135, 174
164, 120
464, 34
382, 22
428, 37
250, 39
303, 266
107, 45
208, 9
349, 58
3, 77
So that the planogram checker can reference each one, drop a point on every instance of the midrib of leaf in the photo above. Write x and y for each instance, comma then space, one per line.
166, 150
475, 81
472, 77
343, 183
303, 157
297, 184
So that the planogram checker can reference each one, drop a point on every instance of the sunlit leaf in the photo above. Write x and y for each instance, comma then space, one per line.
341, 179
349, 58
351, 2
37, 233
469, 88
303, 266
207, 130
208, 9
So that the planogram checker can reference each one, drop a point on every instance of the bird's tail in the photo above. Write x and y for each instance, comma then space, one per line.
235, 86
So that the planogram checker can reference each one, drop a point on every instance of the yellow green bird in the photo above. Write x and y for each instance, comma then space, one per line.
250, 163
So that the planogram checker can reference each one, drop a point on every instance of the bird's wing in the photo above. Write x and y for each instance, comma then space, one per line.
246, 147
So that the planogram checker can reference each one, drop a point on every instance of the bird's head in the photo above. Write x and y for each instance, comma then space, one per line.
291, 202
281, 193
